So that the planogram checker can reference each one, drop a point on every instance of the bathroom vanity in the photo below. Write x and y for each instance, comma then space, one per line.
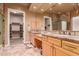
57, 45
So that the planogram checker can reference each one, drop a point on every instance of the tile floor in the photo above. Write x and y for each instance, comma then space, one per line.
16, 41
19, 49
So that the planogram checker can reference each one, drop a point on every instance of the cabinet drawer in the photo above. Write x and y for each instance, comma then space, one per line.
50, 39
63, 52
55, 41
73, 47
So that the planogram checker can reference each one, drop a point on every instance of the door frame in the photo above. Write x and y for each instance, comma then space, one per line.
24, 32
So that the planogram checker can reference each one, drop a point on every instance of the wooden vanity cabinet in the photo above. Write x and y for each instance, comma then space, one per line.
56, 47
60, 52
55, 41
52, 47
70, 46
47, 49
38, 41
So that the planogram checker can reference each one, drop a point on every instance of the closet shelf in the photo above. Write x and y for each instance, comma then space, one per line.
15, 31
15, 24
20, 31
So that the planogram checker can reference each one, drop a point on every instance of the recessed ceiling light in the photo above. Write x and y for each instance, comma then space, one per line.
50, 9
42, 9
15, 12
34, 7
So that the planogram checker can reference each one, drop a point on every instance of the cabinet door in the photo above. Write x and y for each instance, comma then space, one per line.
47, 50
38, 42
71, 46
59, 52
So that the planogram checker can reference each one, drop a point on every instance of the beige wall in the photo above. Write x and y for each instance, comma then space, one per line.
33, 20
1, 8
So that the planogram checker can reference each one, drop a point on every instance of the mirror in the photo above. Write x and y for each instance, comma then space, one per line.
60, 23
75, 23
56, 23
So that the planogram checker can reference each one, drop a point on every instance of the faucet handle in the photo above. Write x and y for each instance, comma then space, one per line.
69, 33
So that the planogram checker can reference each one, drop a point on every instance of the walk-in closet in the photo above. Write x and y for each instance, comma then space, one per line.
16, 28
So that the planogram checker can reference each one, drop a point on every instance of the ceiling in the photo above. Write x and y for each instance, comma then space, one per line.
25, 4
50, 7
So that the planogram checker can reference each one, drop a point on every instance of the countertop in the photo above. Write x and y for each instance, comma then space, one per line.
62, 37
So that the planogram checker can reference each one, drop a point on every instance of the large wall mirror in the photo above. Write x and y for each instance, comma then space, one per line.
54, 23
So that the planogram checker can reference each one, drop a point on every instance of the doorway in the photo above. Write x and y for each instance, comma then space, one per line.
16, 27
